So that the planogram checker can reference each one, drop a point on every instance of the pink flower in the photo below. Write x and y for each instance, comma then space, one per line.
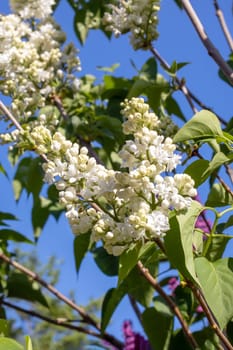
173, 283
134, 341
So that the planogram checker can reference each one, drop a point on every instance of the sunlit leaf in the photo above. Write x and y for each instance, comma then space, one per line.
218, 160
217, 246
179, 241
9, 344
28, 343
203, 125
196, 170
4, 328
219, 196
216, 280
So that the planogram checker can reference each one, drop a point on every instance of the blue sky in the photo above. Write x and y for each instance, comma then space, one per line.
178, 41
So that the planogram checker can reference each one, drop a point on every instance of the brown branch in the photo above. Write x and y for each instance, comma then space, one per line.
223, 25
57, 321
214, 325
64, 323
229, 172
183, 87
211, 49
180, 84
172, 305
85, 317
10, 116
135, 308
50, 288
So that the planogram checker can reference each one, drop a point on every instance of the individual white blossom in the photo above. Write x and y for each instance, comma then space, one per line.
139, 17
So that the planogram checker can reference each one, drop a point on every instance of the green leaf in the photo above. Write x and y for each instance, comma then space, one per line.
6, 216
4, 328
111, 300
218, 197
180, 237
40, 214
81, 244
216, 280
130, 257
20, 286
2, 170
28, 343
9, 344
175, 66
218, 160
179, 341
172, 107
141, 291
229, 222
217, 246
110, 69
196, 171
207, 339
28, 176
128, 260
222, 75
203, 125
11, 235
149, 69
158, 325
107, 263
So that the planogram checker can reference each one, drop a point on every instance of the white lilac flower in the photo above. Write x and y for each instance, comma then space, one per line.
32, 57
139, 17
39, 9
117, 207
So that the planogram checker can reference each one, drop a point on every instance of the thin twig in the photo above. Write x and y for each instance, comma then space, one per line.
85, 317
189, 95
50, 288
229, 172
57, 321
10, 116
174, 308
63, 323
199, 296
211, 49
135, 308
223, 25
180, 84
